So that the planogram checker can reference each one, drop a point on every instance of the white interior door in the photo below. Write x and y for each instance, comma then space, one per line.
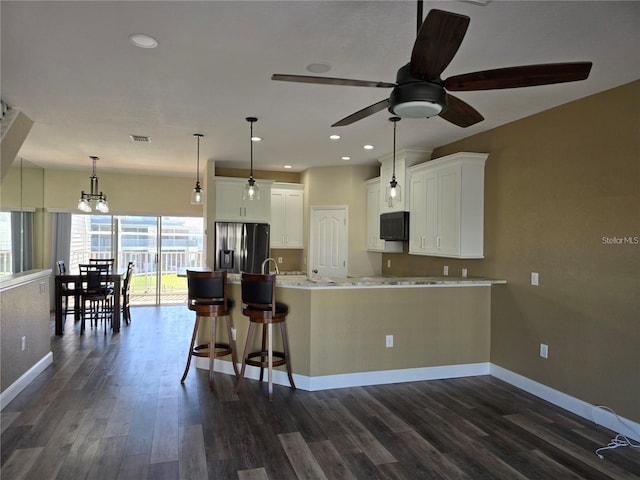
329, 242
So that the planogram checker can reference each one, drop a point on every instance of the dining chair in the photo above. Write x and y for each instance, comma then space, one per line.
125, 297
96, 290
105, 261
67, 292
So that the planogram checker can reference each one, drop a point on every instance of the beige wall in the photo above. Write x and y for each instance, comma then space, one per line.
59, 190
556, 183
25, 313
344, 186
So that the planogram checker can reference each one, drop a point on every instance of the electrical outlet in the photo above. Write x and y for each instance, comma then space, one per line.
42, 287
544, 350
445, 270
389, 341
464, 272
388, 263
279, 259
233, 331
23, 343
535, 279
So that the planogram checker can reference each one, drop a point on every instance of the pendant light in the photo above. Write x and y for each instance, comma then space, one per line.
84, 203
394, 190
197, 195
251, 188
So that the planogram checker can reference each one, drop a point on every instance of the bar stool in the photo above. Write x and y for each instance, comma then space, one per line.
208, 298
259, 304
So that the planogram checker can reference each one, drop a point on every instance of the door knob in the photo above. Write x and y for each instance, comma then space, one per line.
315, 271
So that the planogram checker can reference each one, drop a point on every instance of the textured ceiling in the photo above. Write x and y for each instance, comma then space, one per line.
70, 68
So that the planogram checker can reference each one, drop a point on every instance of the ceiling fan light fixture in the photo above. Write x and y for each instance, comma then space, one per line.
417, 109
413, 98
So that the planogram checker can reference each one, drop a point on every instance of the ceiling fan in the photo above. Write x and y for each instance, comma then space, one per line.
419, 92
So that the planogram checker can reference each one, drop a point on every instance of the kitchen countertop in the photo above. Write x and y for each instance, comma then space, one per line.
375, 281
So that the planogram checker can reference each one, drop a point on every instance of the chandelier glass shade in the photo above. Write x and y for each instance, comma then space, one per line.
393, 193
251, 188
197, 195
84, 204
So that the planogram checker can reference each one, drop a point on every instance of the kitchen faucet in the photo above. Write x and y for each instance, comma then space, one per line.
266, 261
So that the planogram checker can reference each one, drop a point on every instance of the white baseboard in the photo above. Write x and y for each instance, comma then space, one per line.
327, 382
25, 379
574, 405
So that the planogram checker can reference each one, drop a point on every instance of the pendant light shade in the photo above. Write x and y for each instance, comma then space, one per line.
394, 190
197, 195
84, 204
251, 188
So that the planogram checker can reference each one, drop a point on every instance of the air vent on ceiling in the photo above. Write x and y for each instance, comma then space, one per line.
140, 138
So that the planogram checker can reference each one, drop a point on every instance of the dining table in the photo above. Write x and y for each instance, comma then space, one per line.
75, 282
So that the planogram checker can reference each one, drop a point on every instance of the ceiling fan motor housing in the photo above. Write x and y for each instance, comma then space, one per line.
415, 98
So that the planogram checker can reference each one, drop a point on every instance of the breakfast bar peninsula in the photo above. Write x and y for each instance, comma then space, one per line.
373, 330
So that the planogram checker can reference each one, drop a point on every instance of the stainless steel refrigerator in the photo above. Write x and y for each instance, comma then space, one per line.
241, 247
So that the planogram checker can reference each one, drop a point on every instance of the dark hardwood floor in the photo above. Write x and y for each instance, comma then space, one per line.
113, 407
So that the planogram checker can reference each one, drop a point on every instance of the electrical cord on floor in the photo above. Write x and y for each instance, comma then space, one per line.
619, 440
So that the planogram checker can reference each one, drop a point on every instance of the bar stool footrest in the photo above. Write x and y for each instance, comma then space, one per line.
279, 358
222, 349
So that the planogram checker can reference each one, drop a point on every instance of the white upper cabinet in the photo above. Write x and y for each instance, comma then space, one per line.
374, 242
404, 159
230, 207
287, 215
447, 206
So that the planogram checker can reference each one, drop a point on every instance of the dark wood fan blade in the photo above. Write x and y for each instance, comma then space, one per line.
330, 81
365, 112
460, 113
437, 43
524, 76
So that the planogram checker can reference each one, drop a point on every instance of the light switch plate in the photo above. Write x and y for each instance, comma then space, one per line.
535, 279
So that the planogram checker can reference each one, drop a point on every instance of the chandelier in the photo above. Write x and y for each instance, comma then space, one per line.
101, 199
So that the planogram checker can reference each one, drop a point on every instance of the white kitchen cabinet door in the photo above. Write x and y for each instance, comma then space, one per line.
230, 207
447, 206
418, 214
446, 240
287, 216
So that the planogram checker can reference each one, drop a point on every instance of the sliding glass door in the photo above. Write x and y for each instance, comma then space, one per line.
162, 248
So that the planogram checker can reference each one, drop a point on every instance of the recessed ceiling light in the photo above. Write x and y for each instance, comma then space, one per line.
334, 137
256, 139
318, 67
143, 41
345, 158
368, 147
287, 166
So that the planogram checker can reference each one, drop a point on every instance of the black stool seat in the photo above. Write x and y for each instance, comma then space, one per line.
259, 304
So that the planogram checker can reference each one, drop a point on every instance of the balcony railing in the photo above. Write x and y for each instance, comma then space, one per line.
173, 288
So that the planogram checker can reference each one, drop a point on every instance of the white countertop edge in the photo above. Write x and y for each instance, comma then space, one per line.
12, 281
338, 286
